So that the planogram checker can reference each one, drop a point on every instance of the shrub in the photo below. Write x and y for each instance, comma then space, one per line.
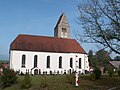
97, 73
71, 78
8, 77
119, 73
26, 83
111, 73
92, 76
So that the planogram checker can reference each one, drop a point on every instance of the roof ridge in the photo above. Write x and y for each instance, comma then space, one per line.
45, 36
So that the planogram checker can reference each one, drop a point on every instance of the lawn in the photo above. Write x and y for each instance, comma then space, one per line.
60, 82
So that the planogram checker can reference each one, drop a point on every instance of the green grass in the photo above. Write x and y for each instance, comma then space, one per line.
60, 82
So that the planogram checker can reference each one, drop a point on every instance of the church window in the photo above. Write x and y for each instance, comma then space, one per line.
48, 61
71, 62
79, 62
35, 61
60, 62
23, 60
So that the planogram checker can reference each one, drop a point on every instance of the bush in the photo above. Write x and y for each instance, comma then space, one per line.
97, 73
92, 76
71, 78
111, 73
26, 83
8, 77
119, 73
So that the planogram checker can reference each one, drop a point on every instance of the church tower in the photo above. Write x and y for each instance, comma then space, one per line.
62, 28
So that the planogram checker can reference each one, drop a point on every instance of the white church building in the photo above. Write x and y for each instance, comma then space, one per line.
48, 55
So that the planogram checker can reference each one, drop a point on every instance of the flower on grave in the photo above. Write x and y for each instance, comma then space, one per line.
78, 81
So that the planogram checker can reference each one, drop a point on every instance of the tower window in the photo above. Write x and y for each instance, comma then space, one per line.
64, 30
48, 61
23, 60
60, 62
35, 61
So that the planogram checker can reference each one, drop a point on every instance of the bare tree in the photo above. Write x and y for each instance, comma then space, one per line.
101, 23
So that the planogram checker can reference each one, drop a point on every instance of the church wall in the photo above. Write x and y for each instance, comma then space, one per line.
16, 58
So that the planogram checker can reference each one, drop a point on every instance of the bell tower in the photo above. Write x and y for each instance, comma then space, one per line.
62, 28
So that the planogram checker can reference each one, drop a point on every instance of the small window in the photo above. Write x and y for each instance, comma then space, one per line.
35, 61
48, 61
64, 30
60, 62
23, 61
79, 62
71, 62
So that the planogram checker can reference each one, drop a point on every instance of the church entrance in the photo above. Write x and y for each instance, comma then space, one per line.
36, 72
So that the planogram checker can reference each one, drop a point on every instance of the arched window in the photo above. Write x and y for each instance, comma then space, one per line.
48, 61
35, 61
71, 62
60, 62
23, 61
79, 62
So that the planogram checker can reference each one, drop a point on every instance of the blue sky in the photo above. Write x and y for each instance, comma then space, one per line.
36, 17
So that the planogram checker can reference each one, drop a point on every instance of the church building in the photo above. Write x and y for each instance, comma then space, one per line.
48, 55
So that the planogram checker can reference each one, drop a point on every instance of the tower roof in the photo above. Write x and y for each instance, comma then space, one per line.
61, 19
45, 44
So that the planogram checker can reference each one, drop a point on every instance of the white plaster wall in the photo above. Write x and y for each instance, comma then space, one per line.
16, 57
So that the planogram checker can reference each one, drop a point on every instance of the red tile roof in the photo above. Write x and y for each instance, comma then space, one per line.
45, 44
